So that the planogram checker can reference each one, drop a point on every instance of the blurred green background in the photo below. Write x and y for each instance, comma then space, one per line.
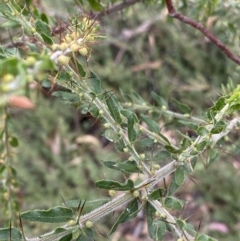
61, 150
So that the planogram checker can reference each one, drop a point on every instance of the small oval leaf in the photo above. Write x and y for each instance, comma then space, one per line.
173, 203
179, 175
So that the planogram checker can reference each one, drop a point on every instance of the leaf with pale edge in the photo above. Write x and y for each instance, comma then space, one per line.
150, 210
96, 83
113, 185
173, 203
113, 108
52, 215
179, 175
152, 125
160, 229
128, 214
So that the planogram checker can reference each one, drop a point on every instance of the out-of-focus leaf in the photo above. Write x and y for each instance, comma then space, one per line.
152, 125
182, 107
10, 234
13, 141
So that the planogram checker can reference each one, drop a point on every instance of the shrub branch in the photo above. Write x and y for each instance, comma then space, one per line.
174, 14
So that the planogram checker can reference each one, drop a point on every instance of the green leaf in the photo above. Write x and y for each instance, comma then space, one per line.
202, 237
172, 149
164, 138
10, 234
179, 175
44, 18
111, 165
150, 210
219, 126
132, 134
182, 107
66, 96
160, 229
95, 5
120, 145
173, 203
202, 145
128, 214
161, 156
145, 142
113, 108
212, 156
86, 235
221, 102
189, 124
202, 131
126, 113
93, 203
67, 237
128, 166
173, 187
152, 125
80, 68
13, 141
113, 185
111, 135
11, 64
96, 83
161, 101
52, 215
44, 31
181, 223
46, 39
185, 142
156, 194
190, 229
46, 83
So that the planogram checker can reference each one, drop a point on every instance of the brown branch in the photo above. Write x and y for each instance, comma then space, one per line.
172, 13
114, 8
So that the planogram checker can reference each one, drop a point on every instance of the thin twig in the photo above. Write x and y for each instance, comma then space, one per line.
174, 14
114, 8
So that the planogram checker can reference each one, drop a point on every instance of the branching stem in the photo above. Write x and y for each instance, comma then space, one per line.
174, 14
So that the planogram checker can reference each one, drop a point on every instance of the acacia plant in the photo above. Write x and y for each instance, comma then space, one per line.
50, 52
